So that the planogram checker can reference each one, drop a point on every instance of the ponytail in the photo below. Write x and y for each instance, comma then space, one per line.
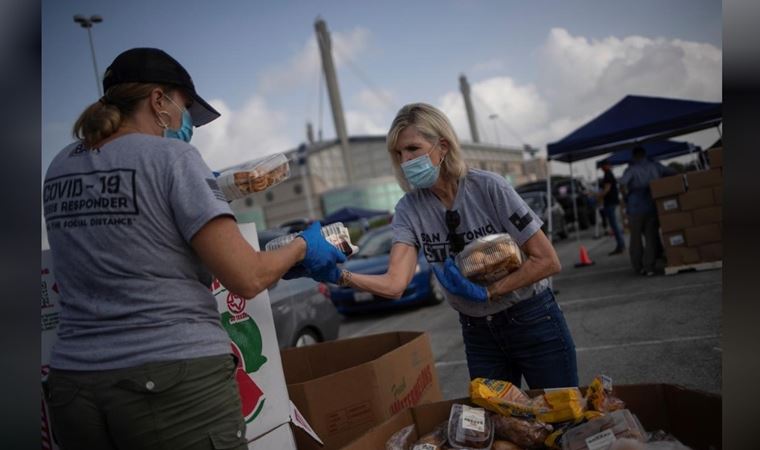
103, 118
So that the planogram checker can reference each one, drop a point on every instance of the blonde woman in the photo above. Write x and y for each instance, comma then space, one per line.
137, 225
512, 328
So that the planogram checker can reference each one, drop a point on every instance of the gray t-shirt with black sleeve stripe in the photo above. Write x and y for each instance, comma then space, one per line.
119, 220
486, 204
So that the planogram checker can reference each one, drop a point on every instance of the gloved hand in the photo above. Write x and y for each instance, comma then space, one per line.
453, 281
321, 257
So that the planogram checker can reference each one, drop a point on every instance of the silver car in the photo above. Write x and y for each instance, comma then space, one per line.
303, 314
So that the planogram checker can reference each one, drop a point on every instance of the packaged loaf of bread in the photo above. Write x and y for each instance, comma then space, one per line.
470, 428
489, 258
526, 433
253, 176
435, 440
600, 433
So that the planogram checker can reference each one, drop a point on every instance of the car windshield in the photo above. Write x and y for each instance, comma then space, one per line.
534, 201
375, 243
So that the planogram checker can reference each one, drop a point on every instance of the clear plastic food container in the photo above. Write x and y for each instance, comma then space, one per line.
601, 432
254, 176
335, 233
470, 428
489, 258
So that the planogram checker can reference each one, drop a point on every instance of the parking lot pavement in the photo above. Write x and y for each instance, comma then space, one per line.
636, 329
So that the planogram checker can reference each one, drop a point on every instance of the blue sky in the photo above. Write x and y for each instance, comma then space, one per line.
545, 67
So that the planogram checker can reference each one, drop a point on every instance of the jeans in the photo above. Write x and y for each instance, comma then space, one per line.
530, 339
610, 212
643, 255
185, 404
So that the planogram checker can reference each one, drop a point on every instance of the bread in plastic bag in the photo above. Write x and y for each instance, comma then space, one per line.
526, 433
607, 428
253, 176
435, 440
599, 395
489, 258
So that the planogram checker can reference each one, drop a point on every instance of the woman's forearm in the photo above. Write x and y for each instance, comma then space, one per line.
380, 285
532, 270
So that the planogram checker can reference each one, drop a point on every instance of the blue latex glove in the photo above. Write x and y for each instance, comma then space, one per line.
321, 257
453, 281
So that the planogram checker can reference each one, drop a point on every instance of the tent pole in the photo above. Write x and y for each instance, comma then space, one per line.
549, 207
550, 224
575, 205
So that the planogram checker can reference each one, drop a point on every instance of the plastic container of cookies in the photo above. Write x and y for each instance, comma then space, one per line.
470, 427
489, 258
254, 176
335, 233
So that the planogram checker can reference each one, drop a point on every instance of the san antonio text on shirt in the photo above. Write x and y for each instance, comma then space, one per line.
437, 246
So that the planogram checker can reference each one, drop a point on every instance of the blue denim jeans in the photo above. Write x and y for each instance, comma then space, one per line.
609, 211
529, 339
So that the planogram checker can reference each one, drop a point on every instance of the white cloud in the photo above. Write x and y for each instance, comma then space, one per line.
305, 65
238, 136
580, 78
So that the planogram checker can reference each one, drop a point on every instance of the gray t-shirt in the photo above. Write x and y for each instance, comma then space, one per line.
486, 204
119, 221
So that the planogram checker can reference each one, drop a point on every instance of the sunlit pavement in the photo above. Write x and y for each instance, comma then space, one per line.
636, 329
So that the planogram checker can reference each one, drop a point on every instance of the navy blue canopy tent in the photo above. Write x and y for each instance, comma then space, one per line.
655, 151
350, 213
632, 121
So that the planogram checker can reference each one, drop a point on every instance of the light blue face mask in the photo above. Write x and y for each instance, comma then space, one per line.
185, 132
420, 171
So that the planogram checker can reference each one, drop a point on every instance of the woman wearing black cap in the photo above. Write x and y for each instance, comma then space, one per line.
136, 225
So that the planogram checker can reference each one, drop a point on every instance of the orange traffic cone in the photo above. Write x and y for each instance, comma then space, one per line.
585, 260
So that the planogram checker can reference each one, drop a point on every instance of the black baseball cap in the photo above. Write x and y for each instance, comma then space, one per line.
151, 65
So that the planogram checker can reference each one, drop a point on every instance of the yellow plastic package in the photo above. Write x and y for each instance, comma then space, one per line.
501, 397
555, 405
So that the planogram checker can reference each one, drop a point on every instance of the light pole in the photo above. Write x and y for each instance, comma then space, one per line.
87, 23
493, 117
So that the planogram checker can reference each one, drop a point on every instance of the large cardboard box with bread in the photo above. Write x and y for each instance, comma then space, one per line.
268, 411
693, 417
345, 387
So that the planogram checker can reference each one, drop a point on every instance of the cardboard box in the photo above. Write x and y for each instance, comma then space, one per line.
260, 378
675, 221
667, 186
345, 387
718, 195
715, 155
694, 417
675, 239
704, 178
668, 205
711, 252
702, 234
681, 256
703, 216
697, 198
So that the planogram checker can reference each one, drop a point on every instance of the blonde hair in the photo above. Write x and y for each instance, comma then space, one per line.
104, 117
432, 124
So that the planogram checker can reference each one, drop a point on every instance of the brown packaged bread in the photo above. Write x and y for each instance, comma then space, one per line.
489, 258
469, 427
435, 440
505, 445
402, 439
253, 176
523, 432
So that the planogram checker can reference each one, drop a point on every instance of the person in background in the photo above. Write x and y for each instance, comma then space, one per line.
137, 225
512, 327
642, 211
609, 198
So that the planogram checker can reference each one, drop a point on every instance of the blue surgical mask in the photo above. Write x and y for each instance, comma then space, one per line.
420, 171
185, 132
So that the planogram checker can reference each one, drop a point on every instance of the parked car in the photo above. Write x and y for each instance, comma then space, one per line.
536, 200
302, 311
562, 190
372, 258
